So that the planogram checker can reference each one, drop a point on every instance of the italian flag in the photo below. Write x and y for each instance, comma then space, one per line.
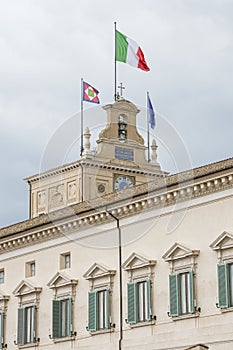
128, 51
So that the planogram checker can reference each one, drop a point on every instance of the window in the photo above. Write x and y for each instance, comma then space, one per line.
65, 261
181, 293
2, 276
139, 297
122, 128
225, 285
26, 325
98, 310
101, 279
139, 303
30, 269
33, 269
62, 318
3, 314
2, 344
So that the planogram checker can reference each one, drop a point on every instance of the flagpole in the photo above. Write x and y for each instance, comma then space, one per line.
148, 132
81, 133
115, 72
81, 128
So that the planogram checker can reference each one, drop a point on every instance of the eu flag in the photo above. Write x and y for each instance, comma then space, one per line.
151, 113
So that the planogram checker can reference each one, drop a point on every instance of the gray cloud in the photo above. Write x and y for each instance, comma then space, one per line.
47, 46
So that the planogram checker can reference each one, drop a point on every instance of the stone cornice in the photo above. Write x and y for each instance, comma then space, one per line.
120, 166
160, 193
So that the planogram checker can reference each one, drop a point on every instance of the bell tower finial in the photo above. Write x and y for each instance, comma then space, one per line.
87, 144
121, 87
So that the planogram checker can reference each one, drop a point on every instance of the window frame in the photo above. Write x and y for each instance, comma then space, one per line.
26, 330
2, 329
181, 293
2, 279
64, 264
225, 285
101, 278
29, 271
139, 301
62, 326
95, 311
33, 269
122, 127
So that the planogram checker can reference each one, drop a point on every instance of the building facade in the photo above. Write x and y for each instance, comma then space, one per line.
118, 254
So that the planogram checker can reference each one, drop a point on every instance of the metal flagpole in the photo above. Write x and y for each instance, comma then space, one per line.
115, 72
81, 128
81, 133
148, 132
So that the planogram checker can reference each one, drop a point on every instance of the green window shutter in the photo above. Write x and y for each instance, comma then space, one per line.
1, 330
191, 295
21, 326
174, 294
92, 311
223, 299
34, 322
56, 319
107, 324
70, 316
132, 302
148, 287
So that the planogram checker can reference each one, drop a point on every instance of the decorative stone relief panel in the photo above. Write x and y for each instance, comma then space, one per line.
41, 201
56, 197
71, 190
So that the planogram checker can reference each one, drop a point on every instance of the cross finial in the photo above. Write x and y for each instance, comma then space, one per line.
121, 87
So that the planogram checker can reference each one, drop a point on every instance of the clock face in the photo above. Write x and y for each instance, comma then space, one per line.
122, 182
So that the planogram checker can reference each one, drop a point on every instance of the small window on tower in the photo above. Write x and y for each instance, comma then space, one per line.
122, 128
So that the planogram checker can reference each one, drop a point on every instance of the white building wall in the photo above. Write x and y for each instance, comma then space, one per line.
200, 226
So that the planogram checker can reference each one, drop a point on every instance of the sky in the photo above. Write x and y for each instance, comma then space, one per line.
47, 46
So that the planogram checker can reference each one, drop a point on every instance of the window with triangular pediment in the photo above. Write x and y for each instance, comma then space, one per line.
182, 284
223, 245
101, 280
64, 288
28, 297
140, 283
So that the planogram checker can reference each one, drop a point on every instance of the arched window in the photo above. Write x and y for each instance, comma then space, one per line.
122, 128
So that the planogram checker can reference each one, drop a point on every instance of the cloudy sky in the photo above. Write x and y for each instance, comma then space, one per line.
48, 45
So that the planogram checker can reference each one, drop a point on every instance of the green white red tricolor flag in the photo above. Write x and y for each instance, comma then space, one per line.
128, 51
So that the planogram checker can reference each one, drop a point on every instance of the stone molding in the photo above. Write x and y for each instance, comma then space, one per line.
160, 193
27, 293
198, 347
94, 164
178, 251
97, 271
224, 241
136, 261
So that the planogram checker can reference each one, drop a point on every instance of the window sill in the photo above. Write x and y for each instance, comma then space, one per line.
102, 331
63, 339
184, 317
226, 309
28, 345
142, 324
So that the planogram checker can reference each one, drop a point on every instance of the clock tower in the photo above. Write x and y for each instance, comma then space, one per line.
122, 147
118, 164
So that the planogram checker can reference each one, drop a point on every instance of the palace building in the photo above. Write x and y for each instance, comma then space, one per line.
119, 254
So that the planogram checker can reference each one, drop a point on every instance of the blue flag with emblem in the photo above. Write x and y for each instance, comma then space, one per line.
151, 113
